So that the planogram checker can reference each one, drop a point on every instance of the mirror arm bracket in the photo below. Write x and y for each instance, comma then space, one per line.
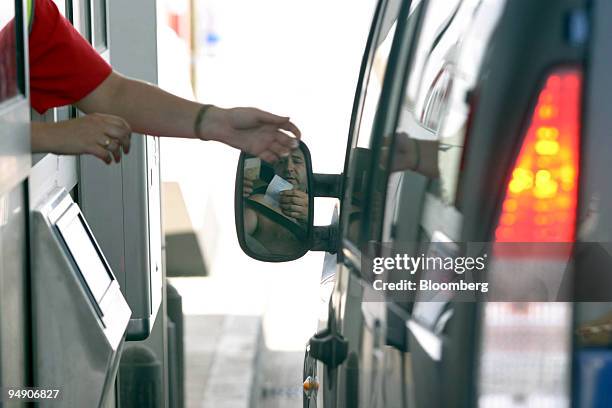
327, 185
325, 238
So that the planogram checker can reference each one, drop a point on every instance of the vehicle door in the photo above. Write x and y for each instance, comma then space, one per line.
361, 324
324, 370
14, 168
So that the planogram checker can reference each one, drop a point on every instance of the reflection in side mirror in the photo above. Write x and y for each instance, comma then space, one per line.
274, 214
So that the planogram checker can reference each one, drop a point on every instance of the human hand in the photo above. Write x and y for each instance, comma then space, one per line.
251, 130
405, 155
97, 134
417, 155
247, 186
294, 204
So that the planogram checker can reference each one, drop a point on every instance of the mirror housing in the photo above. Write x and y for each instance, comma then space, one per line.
274, 206
328, 185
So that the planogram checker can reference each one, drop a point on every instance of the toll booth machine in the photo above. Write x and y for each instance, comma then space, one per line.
81, 263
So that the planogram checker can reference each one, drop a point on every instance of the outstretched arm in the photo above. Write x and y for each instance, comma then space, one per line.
119, 105
150, 110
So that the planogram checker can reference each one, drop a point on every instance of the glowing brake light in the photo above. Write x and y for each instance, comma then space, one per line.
542, 194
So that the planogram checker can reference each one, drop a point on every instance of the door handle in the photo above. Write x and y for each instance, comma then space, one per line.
329, 348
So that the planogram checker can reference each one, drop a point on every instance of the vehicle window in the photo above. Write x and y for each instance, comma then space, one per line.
381, 171
9, 86
360, 153
423, 203
430, 134
373, 90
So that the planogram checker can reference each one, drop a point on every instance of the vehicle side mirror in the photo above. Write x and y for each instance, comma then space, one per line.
274, 206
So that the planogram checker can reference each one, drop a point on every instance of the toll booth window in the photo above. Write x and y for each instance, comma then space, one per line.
9, 66
99, 25
86, 256
81, 17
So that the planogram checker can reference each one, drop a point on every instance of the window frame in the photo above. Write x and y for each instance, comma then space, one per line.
388, 112
98, 18
20, 53
349, 244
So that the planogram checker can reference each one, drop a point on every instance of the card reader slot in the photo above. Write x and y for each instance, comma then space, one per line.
93, 270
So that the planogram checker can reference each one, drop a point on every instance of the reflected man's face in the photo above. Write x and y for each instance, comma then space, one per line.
293, 169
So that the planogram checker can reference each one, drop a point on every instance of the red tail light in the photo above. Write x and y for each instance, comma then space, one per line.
541, 196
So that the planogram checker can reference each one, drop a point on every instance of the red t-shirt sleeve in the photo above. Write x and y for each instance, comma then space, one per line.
64, 67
